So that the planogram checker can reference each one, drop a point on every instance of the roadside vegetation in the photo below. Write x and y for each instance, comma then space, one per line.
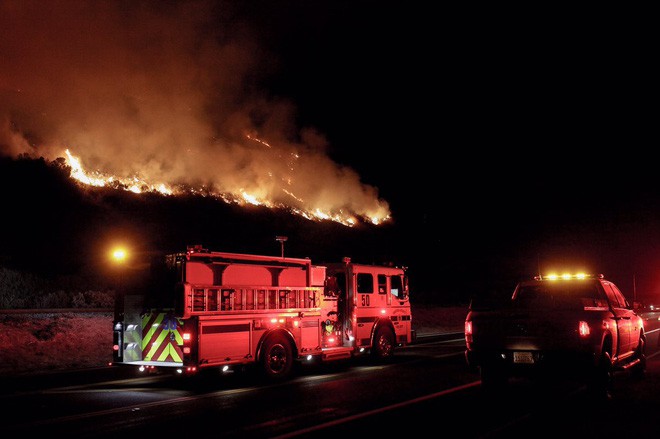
19, 290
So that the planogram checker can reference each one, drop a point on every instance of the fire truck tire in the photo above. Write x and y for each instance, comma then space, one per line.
383, 347
277, 357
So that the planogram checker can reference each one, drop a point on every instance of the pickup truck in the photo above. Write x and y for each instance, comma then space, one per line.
552, 325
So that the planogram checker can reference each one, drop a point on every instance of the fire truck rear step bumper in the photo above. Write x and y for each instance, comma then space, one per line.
148, 363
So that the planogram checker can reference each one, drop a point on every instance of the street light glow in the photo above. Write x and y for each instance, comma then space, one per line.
119, 255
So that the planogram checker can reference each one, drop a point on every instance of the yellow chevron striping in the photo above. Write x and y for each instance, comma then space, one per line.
150, 331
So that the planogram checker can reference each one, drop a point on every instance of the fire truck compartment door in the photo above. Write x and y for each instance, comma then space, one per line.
224, 341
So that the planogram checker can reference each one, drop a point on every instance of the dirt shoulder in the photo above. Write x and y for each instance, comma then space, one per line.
46, 342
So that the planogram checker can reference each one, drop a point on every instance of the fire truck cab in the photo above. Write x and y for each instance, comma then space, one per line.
369, 306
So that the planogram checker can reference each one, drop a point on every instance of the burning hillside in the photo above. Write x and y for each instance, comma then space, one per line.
240, 196
164, 97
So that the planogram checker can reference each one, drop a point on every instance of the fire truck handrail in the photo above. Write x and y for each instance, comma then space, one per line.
223, 298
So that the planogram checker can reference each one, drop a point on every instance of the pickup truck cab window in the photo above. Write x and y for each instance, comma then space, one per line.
558, 295
615, 296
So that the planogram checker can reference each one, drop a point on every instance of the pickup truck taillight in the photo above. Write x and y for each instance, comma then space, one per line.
583, 329
468, 331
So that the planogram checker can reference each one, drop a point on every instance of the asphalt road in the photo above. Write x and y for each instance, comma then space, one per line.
426, 388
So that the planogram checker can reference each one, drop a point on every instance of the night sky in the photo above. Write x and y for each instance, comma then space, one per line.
502, 142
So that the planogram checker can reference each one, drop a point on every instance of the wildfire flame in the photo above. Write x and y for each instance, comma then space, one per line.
138, 185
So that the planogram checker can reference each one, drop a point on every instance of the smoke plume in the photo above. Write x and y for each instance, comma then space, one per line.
167, 92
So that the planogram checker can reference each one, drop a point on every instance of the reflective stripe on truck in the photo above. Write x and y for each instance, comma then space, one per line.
162, 340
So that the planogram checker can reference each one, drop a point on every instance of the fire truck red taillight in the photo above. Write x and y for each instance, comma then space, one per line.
583, 328
187, 339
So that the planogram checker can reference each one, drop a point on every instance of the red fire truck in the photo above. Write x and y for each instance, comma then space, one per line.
206, 309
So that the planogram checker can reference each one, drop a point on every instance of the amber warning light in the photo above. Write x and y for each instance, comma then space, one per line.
568, 276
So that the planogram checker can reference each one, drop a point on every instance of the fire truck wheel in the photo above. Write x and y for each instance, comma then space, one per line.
277, 357
383, 344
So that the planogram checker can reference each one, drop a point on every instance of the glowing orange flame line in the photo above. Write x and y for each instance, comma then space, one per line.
137, 186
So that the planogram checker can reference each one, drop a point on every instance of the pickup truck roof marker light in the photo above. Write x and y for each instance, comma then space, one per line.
568, 276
